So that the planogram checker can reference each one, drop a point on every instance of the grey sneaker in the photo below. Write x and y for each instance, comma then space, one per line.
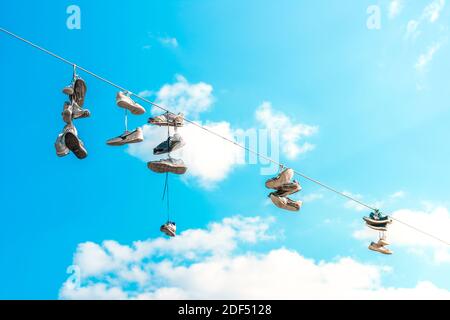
168, 165
60, 146
67, 112
79, 94
283, 178
285, 203
171, 144
379, 248
126, 102
72, 111
73, 142
167, 119
288, 189
169, 228
127, 137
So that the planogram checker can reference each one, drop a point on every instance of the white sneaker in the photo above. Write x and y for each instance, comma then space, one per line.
167, 119
288, 189
171, 144
379, 248
283, 178
126, 102
169, 229
285, 203
168, 165
127, 137
60, 146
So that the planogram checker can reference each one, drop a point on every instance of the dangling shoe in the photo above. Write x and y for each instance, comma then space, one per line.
67, 112
169, 229
383, 242
288, 189
376, 218
171, 144
126, 102
73, 142
378, 227
60, 146
78, 112
285, 203
69, 89
168, 165
168, 119
127, 137
379, 248
283, 178
79, 94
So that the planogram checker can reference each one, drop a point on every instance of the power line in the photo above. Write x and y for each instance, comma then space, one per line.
211, 132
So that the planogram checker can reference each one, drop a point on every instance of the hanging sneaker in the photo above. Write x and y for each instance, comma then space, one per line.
126, 102
67, 112
169, 229
383, 242
285, 203
379, 248
69, 89
78, 112
168, 119
79, 94
60, 146
127, 137
378, 227
168, 165
171, 144
288, 189
376, 217
73, 142
283, 178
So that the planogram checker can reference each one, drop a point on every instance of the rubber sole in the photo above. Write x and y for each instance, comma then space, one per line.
163, 168
133, 109
74, 145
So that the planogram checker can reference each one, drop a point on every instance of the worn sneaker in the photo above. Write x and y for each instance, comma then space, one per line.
283, 178
285, 203
171, 144
73, 142
168, 119
60, 146
67, 112
288, 189
126, 102
383, 242
169, 229
127, 137
168, 165
79, 94
379, 248
78, 112
377, 218
378, 227
69, 89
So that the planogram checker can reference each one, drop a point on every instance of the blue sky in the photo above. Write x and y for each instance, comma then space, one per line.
373, 103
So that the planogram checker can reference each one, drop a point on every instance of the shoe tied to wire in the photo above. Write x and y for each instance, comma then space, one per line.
68, 89
169, 229
73, 142
283, 178
168, 119
379, 248
285, 203
127, 137
73, 111
124, 101
376, 218
171, 144
288, 189
170, 165
60, 146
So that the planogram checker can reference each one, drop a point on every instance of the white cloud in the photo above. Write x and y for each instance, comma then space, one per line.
425, 58
209, 158
395, 7
204, 264
182, 96
290, 133
312, 197
397, 195
435, 221
433, 10
146, 93
168, 42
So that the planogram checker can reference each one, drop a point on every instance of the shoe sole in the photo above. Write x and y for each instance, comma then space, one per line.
165, 124
79, 92
378, 228
380, 251
377, 222
73, 143
69, 92
124, 142
133, 109
163, 168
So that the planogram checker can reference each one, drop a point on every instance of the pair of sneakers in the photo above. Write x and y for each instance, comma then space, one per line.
380, 246
173, 143
377, 221
284, 187
123, 100
169, 229
68, 139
